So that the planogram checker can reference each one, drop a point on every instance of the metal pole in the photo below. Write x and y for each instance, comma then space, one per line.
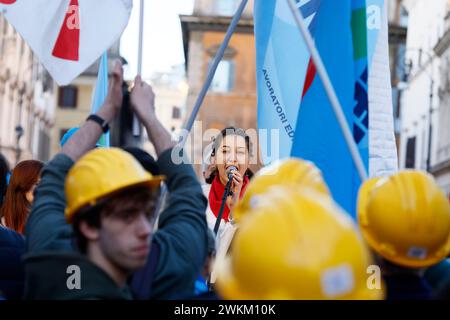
218, 57
19, 128
430, 126
329, 90
136, 124
225, 195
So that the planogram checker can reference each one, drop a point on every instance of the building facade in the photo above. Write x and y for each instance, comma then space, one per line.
26, 100
441, 167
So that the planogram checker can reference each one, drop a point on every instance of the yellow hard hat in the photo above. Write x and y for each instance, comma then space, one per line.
100, 173
296, 244
406, 219
292, 171
364, 192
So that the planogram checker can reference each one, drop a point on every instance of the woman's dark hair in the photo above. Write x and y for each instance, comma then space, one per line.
217, 142
4, 170
16, 207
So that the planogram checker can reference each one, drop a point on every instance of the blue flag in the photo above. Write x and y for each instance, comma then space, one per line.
318, 136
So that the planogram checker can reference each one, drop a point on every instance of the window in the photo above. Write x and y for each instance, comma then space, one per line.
400, 54
424, 148
403, 17
224, 77
67, 97
410, 162
176, 113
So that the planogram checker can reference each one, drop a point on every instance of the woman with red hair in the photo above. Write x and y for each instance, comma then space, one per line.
19, 195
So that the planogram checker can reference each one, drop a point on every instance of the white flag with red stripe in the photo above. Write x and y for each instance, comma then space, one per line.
68, 35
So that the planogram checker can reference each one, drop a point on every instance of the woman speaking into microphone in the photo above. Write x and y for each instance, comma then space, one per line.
228, 180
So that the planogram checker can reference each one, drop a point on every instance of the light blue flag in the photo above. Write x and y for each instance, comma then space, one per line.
282, 64
360, 121
100, 93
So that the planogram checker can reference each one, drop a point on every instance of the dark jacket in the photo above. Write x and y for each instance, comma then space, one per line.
12, 247
181, 236
49, 276
438, 276
407, 287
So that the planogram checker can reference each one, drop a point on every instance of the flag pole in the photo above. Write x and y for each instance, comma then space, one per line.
321, 70
218, 57
136, 124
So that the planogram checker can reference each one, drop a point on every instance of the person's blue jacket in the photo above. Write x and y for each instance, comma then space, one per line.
181, 237
12, 247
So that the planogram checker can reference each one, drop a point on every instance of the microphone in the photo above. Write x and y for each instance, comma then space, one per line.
230, 171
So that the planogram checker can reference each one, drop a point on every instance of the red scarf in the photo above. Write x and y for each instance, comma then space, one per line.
216, 194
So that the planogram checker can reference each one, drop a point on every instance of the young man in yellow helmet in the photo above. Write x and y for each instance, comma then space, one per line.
405, 219
110, 201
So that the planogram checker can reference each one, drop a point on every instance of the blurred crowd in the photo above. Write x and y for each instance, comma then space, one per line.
111, 223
